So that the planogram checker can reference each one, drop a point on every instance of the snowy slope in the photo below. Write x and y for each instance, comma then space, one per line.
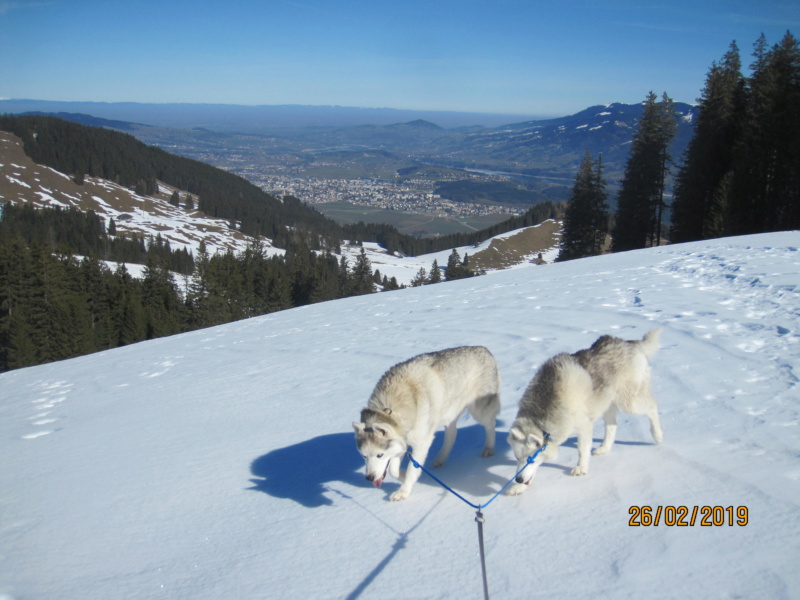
221, 463
404, 268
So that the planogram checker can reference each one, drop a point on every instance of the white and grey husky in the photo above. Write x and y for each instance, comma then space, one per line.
414, 399
570, 392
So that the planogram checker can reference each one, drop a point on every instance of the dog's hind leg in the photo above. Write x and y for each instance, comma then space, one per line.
485, 412
584, 450
646, 405
610, 420
655, 424
449, 439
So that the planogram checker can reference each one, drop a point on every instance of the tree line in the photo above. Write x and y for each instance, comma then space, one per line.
740, 173
55, 305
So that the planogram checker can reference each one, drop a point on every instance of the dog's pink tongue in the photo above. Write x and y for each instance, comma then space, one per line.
377, 482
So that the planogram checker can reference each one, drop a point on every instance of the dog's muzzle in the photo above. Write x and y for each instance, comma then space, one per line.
379, 481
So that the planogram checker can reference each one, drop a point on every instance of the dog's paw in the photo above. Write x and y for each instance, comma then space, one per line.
399, 495
600, 450
516, 489
438, 462
487, 452
579, 471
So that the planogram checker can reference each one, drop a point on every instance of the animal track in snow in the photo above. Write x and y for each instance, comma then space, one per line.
51, 396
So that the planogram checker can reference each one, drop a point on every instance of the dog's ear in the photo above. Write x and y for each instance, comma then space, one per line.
516, 433
381, 431
359, 427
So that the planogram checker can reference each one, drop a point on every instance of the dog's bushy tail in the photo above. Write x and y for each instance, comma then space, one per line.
649, 343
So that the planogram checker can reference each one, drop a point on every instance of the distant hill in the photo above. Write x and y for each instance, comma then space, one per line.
420, 123
89, 120
555, 145
255, 119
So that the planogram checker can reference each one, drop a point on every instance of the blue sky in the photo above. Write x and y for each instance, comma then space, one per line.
530, 57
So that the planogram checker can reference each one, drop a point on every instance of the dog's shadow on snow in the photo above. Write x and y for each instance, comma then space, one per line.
300, 472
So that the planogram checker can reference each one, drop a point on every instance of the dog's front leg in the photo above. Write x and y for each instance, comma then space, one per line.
420, 453
584, 451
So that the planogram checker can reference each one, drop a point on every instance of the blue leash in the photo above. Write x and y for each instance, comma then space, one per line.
479, 515
529, 461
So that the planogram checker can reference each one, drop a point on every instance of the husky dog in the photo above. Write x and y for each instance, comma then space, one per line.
415, 398
570, 392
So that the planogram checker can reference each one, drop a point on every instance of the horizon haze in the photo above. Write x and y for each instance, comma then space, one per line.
514, 57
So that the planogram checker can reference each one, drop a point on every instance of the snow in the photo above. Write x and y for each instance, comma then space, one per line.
220, 463
17, 181
404, 268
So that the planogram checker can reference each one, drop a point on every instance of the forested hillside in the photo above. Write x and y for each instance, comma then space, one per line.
79, 150
65, 289
54, 305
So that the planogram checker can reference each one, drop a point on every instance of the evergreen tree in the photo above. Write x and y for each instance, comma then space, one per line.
703, 186
640, 202
766, 183
420, 279
95, 280
161, 301
436, 273
390, 284
128, 313
362, 275
586, 217
344, 277
456, 268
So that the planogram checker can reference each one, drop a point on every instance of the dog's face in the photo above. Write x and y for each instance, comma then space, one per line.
377, 445
525, 440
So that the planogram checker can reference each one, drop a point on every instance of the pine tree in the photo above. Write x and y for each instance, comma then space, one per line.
703, 186
586, 217
640, 202
362, 275
161, 300
420, 279
130, 322
766, 186
454, 269
435, 275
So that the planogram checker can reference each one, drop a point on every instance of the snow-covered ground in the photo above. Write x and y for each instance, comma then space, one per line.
221, 464
404, 268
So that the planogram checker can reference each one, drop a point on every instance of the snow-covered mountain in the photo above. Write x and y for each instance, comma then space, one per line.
221, 464
557, 143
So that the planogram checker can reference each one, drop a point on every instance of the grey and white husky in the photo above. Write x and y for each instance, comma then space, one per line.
570, 392
414, 399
